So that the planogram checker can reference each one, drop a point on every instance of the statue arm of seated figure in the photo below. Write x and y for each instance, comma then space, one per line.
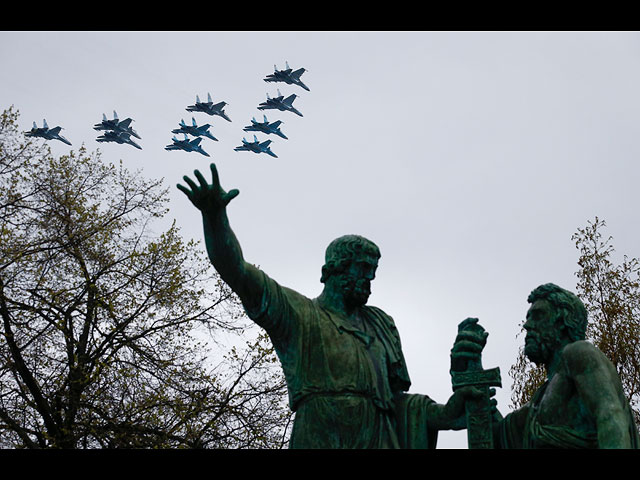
598, 385
222, 245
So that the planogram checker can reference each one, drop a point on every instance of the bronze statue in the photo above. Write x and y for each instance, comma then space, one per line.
582, 404
342, 359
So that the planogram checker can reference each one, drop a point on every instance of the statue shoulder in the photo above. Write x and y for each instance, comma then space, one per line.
582, 355
581, 348
379, 313
382, 318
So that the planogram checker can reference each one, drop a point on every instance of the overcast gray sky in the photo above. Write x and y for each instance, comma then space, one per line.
470, 158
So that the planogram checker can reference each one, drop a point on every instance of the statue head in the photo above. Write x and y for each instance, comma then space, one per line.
556, 317
350, 265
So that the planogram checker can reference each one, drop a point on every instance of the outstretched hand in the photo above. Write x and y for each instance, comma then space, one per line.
209, 198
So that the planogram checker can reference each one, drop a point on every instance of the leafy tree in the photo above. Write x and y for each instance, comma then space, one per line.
611, 294
107, 326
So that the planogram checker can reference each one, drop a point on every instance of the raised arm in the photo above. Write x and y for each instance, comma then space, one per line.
222, 245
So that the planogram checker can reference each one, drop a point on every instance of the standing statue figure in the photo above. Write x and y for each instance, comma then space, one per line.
582, 404
342, 360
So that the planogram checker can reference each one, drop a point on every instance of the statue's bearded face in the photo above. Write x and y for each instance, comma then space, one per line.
355, 282
542, 337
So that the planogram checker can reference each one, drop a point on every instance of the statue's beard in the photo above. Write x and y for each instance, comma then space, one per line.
538, 348
356, 291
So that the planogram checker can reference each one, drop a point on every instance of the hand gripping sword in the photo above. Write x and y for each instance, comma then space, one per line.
478, 410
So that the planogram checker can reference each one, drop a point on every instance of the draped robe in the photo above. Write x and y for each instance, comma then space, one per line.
347, 385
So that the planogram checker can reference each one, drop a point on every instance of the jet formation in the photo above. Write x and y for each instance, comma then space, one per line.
187, 145
120, 131
287, 76
290, 77
46, 132
256, 146
195, 130
117, 131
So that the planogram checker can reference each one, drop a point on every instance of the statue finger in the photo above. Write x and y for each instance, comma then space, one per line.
468, 346
203, 183
191, 183
467, 323
477, 337
470, 324
231, 195
465, 355
215, 179
185, 190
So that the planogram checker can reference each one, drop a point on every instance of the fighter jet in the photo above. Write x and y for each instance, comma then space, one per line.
265, 127
194, 129
117, 137
287, 76
116, 125
256, 146
280, 103
208, 107
46, 132
187, 145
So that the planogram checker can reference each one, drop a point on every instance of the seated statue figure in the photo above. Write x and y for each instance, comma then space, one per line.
581, 404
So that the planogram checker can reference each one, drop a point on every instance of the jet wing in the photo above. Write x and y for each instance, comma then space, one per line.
219, 105
55, 130
297, 73
125, 123
289, 100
